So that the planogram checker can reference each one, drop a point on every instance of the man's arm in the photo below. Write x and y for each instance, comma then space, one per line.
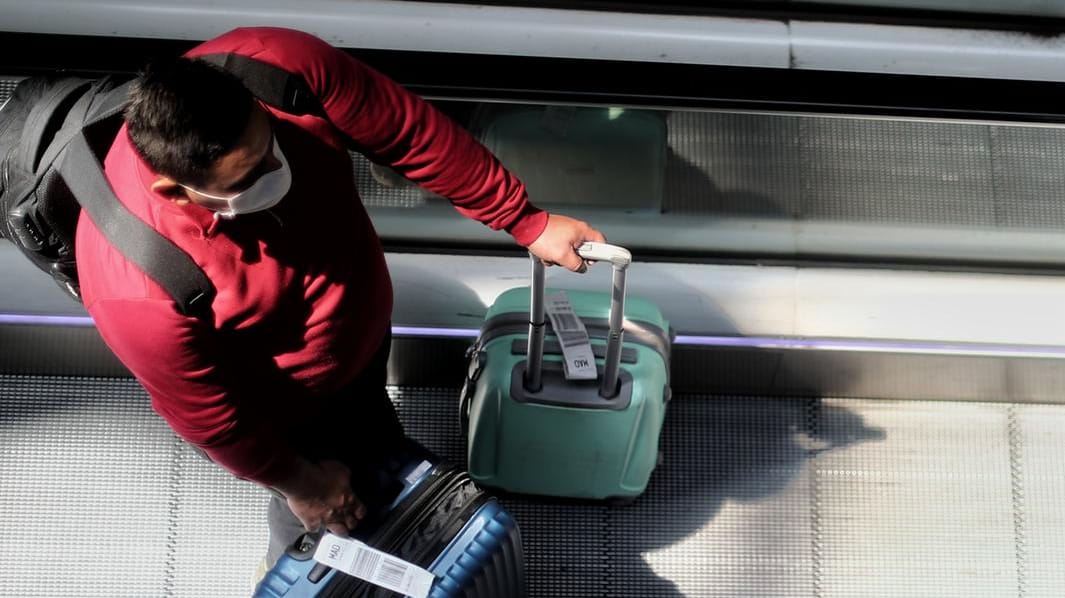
395, 126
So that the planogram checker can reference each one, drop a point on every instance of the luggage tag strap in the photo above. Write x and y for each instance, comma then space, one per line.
620, 258
374, 566
578, 360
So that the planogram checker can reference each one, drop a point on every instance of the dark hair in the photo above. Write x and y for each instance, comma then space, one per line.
184, 114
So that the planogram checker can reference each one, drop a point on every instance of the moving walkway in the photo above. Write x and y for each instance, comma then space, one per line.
863, 268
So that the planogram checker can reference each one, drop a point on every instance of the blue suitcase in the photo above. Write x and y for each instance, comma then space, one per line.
437, 519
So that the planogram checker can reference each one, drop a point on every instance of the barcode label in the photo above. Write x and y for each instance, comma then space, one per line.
567, 322
365, 563
369, 564
572, 338
577, 357
392, 572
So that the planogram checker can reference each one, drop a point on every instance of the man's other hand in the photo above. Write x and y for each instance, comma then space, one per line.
323, 497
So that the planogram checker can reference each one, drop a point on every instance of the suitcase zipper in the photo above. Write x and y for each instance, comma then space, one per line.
412, 517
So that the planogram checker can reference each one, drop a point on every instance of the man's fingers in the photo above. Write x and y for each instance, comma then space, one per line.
327, 500
341, 520
573, 262
587, 234
353, 512
339, 529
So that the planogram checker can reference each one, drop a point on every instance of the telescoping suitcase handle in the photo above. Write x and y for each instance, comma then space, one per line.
620, 258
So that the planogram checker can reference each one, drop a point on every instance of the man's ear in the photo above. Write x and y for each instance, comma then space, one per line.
168, 188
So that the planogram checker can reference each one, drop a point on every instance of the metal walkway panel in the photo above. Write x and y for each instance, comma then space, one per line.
1026, 164
865, 170
728, 506
99, 498
1038, 488
217, 530
756, 496
733, 164
84, 500
811, 497
928, 505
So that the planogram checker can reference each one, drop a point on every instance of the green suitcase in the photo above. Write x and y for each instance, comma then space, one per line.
532, 431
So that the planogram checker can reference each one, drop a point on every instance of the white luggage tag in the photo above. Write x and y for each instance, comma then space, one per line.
369, 564
578, 360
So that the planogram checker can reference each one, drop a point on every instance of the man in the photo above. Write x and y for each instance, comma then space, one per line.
283, 384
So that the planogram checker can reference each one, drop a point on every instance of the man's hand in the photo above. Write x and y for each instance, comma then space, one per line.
560, 240
320, 495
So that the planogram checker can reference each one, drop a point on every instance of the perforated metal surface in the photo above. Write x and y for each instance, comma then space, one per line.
386, 189
98, 498
1027, 167
867, 170
769, 497
927, 507
733, 164
84, 496
756, 497
7, 86
891, 171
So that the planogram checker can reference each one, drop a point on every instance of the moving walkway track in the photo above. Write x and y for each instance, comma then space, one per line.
756, 496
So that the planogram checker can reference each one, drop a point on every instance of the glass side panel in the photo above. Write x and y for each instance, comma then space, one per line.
758, 186
1025, 8
1037, 8
770, 185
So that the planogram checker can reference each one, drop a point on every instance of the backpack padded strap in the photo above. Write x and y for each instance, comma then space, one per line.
157, 256
274, 85
108, 103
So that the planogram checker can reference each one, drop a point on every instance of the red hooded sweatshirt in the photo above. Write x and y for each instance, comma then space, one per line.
304, 296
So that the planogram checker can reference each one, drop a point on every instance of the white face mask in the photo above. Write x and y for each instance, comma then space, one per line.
263, 194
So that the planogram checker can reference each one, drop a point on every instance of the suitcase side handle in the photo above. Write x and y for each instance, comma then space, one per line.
620, 258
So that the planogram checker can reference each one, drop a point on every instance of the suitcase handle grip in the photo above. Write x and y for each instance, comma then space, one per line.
603, 252
620, 258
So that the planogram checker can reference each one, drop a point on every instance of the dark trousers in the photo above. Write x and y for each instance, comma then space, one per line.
358, 427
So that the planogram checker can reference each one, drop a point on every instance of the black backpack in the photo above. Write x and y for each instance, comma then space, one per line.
54, 133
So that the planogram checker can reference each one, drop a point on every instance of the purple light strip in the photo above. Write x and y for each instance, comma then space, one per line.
875, 345
755, 342
41, 320
434, 332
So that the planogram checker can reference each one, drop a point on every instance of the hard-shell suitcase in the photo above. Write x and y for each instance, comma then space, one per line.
595, 156
532, 431
438, 519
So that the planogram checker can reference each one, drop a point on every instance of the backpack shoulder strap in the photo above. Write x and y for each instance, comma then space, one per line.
108, 104
156, 255
272, 84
